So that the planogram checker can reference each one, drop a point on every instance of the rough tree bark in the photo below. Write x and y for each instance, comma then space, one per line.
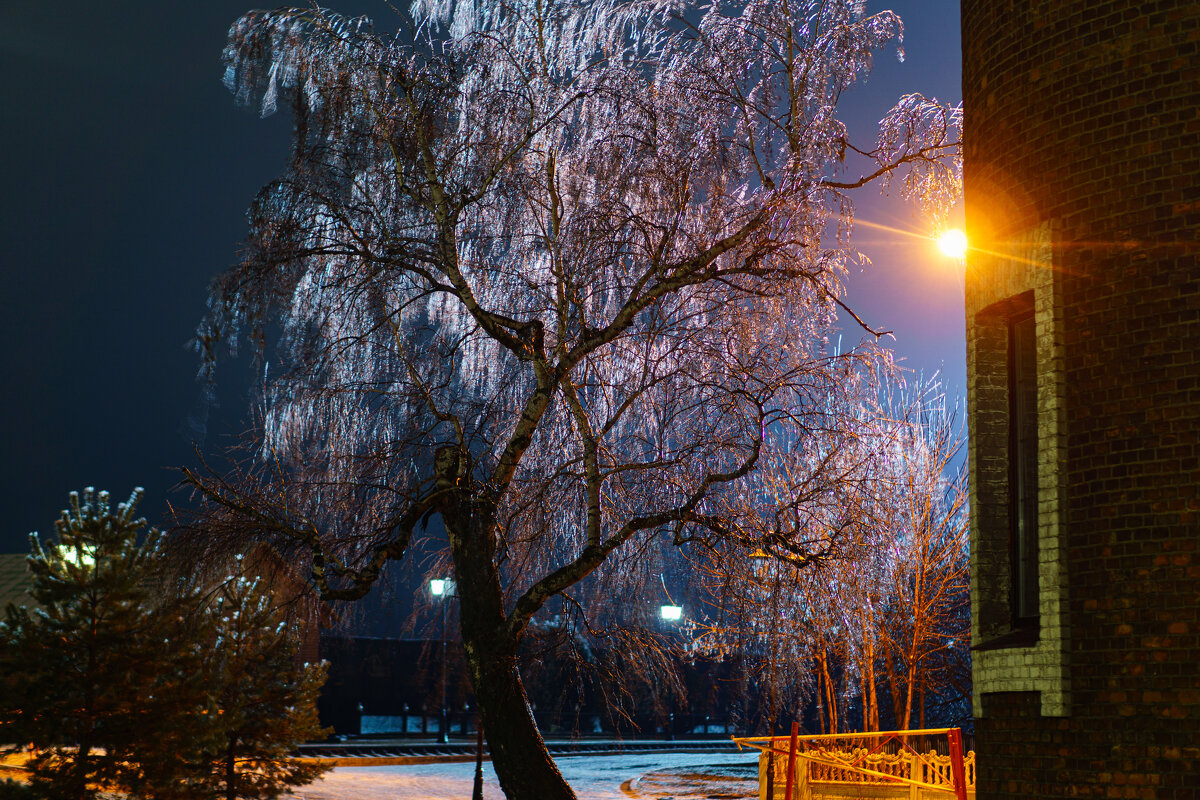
521, 760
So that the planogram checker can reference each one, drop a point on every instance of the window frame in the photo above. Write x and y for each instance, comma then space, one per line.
1023, 477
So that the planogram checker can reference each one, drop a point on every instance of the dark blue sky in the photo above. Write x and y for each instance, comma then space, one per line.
126, 170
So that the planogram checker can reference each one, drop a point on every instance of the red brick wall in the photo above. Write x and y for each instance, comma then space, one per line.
1087, 113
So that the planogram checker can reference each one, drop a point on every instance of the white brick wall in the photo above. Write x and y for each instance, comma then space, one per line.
993, 277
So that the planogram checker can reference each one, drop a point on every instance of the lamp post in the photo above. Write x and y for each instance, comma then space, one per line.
443, 589
670, 614
762, 569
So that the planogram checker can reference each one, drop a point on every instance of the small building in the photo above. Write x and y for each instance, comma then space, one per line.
1082, 175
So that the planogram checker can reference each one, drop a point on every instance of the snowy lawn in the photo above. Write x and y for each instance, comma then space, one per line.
643, 775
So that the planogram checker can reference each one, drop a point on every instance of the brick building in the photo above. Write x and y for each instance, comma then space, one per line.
1082, 171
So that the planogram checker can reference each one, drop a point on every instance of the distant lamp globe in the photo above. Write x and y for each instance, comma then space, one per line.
953, 243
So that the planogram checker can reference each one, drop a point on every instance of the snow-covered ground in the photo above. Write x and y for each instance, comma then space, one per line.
642, 775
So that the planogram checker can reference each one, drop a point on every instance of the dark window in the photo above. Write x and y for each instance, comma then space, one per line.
1023, 468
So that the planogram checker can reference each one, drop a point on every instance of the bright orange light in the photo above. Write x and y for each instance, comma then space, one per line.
953, 243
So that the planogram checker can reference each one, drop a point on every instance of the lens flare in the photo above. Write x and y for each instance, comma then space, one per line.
953, 243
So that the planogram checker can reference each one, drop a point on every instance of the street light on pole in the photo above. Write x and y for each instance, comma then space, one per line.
670, 614
443, 589
762, 566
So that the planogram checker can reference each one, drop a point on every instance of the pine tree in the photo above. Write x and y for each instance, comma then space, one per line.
265, 700
98, 678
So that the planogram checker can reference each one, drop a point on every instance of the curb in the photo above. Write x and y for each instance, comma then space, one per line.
387, 761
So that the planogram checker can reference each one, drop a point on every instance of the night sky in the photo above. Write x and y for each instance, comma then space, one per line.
126, 170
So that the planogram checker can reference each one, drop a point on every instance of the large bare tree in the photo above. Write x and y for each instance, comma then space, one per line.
559, 274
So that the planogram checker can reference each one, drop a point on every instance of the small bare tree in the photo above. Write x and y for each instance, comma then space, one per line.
899, 606
886, 615
926, 514
559, 274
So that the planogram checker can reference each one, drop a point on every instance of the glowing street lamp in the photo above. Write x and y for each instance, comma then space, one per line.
953, 243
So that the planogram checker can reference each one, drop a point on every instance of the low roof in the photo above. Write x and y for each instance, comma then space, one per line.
14, 581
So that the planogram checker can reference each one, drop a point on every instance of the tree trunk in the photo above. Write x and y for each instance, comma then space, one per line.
78, 787
830, 692
908, 694
231, 769
871, 702
820, 697
519, 755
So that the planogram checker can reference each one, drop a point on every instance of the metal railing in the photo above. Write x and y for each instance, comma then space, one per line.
402, 723
848, 764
